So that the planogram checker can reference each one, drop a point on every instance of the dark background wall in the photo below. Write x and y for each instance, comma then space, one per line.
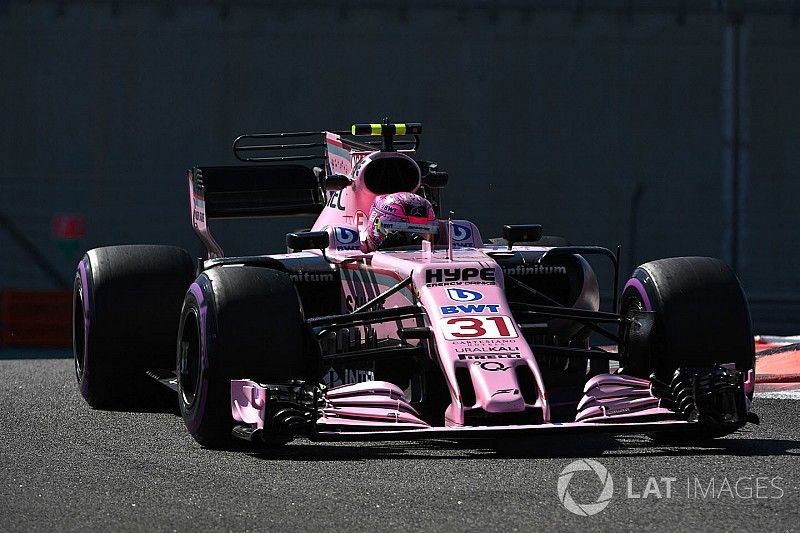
560, 116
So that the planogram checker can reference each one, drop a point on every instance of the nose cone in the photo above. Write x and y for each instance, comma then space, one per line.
496, 386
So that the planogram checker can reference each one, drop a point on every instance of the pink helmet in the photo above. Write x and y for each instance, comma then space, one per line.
398, 219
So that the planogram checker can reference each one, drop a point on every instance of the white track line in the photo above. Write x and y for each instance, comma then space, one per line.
774, 339
780, 395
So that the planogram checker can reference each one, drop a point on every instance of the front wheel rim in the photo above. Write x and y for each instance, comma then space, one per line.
78, 333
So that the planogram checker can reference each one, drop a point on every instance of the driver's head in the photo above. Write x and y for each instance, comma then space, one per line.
398, 219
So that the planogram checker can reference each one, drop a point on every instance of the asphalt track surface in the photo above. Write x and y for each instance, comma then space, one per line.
66, 467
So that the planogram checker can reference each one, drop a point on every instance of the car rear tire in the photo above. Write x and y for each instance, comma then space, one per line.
237, 322
126, 306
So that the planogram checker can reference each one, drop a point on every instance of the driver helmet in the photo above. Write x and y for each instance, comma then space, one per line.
398, 219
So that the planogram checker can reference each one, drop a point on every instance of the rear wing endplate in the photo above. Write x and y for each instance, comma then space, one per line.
249, 192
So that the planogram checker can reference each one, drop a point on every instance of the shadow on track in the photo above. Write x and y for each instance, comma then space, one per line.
541, 447
154, 398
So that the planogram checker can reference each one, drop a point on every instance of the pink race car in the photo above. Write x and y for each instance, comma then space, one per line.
387, 321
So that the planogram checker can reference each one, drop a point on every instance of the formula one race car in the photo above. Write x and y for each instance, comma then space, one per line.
384, 321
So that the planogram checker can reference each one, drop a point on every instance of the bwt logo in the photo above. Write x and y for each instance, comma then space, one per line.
461, 233
441, 275
346, 235
475, 308
463, 295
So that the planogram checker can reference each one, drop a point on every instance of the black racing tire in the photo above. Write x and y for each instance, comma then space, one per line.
701, 316
701, 319
237, 323
126, 306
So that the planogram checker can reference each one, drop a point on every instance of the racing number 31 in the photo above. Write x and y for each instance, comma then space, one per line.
478, 327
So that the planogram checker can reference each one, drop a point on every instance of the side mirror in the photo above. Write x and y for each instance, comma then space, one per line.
337, 182
308, 240
436, 179
521, 233
431, 175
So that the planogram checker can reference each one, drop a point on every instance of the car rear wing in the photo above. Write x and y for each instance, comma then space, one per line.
249, 192
311, 145
278, 185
